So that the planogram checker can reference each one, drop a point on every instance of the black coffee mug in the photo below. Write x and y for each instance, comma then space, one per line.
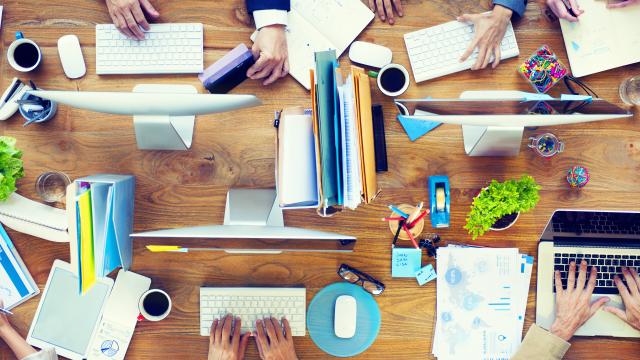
155, 305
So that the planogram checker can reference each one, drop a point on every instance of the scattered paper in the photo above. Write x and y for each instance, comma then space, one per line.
425, 275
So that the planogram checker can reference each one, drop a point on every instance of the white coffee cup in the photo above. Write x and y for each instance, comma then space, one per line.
399, 90
20, 39
148, 312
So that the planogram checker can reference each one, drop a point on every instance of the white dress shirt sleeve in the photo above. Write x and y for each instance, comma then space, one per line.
269, 17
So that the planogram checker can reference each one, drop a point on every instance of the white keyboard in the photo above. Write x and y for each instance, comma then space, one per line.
252, 304
166, 49
435, 51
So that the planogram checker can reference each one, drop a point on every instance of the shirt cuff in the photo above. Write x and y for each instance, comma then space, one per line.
270, 17
517, 6
541, 344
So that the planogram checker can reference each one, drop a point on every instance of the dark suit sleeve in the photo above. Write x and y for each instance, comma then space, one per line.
253, 5
517, 6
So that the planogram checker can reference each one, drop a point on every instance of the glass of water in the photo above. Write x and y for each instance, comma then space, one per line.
630, 91
52, 186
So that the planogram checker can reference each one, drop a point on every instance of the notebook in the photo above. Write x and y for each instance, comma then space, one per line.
33, 218
16, 284
603, 39
318, 25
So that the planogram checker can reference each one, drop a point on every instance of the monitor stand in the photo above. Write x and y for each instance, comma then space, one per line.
492, 140
164, 132
257, 207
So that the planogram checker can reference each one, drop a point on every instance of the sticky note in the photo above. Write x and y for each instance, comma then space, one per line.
405, 262
425, 274
570, 97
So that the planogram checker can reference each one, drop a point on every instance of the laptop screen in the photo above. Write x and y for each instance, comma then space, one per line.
595, 228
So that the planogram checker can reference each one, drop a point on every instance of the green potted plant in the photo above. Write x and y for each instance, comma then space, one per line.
498, 206
11, 166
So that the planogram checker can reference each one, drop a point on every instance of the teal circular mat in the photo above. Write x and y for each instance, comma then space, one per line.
320, 320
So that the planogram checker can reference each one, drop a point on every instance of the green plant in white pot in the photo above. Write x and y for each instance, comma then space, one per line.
499, 205
11, 166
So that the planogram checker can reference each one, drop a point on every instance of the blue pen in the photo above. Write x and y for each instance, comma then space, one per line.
398, 211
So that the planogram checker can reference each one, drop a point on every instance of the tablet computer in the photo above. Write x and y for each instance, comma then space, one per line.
66, 320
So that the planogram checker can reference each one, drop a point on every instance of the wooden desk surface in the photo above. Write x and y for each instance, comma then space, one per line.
176, 189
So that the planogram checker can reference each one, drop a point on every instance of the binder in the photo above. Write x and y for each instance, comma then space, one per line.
100, 223
341, 133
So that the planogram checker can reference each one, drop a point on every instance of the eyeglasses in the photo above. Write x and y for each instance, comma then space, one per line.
356, 276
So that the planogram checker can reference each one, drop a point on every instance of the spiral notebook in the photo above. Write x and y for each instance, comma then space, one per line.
33, 218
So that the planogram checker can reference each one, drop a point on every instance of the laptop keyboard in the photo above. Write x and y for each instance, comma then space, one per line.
606, 265
600, 223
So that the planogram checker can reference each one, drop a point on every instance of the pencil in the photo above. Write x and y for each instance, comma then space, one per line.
415, 213
5, 311
392, 218
413, 240
414, 222
398, 211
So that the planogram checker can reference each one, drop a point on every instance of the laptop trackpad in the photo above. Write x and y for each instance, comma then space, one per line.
607, 324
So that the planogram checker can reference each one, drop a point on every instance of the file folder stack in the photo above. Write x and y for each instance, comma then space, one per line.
326, 158
100, 212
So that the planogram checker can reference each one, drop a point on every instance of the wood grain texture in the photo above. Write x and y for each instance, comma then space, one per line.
237, 150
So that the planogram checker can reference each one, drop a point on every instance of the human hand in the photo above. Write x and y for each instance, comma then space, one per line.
385, 9
4, 321
226, 343
271, 54
561, 11
272, 343
128, 16
622, 4
630, 296
573, 304
489, 29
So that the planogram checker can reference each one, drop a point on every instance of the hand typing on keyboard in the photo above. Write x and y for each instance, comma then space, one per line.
274, 342
573, 304
271, 55
129, 16
490, 29
630, 294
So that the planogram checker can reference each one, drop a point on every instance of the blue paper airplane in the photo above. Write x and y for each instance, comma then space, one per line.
416, 128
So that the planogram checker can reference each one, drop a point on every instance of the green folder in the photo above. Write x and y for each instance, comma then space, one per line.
326, 65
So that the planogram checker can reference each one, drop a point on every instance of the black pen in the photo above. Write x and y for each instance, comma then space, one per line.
569, 9
395, 238
11, 92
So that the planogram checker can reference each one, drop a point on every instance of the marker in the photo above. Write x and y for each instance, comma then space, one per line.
392, 218
415, 213
398, 211
569, 9
5, 311
413, 240
165, 248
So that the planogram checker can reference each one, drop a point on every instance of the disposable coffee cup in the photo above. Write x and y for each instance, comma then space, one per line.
24, 55
393, 80
155, 305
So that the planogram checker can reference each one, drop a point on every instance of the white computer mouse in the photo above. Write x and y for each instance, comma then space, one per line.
71, 56
344, 321
370, 54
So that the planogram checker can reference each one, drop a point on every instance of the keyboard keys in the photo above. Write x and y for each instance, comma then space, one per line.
167, 49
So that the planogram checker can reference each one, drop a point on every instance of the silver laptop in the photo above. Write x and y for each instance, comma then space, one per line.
606, 239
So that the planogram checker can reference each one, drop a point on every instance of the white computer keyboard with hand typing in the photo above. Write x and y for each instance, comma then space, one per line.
436, 51
166, 49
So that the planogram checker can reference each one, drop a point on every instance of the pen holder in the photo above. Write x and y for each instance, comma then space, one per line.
416, 230
40, 116
542, 69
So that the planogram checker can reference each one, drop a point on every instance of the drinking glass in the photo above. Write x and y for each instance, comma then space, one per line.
630, 91
52, 186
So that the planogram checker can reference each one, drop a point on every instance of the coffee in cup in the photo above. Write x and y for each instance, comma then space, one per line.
24, 55
155, 305
393, 80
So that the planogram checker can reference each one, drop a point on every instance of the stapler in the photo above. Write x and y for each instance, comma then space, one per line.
8, 104
440, 201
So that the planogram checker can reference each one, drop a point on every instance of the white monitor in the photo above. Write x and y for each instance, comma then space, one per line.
493, 126
253, 224
163, 115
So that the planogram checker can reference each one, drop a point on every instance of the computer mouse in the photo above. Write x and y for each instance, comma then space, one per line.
71, 56
370, 54
344, 321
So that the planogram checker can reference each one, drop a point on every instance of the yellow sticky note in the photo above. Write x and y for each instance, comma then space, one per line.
87, 259
162, 248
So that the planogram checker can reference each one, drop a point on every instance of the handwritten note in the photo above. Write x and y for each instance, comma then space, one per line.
405, 262
425, 275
